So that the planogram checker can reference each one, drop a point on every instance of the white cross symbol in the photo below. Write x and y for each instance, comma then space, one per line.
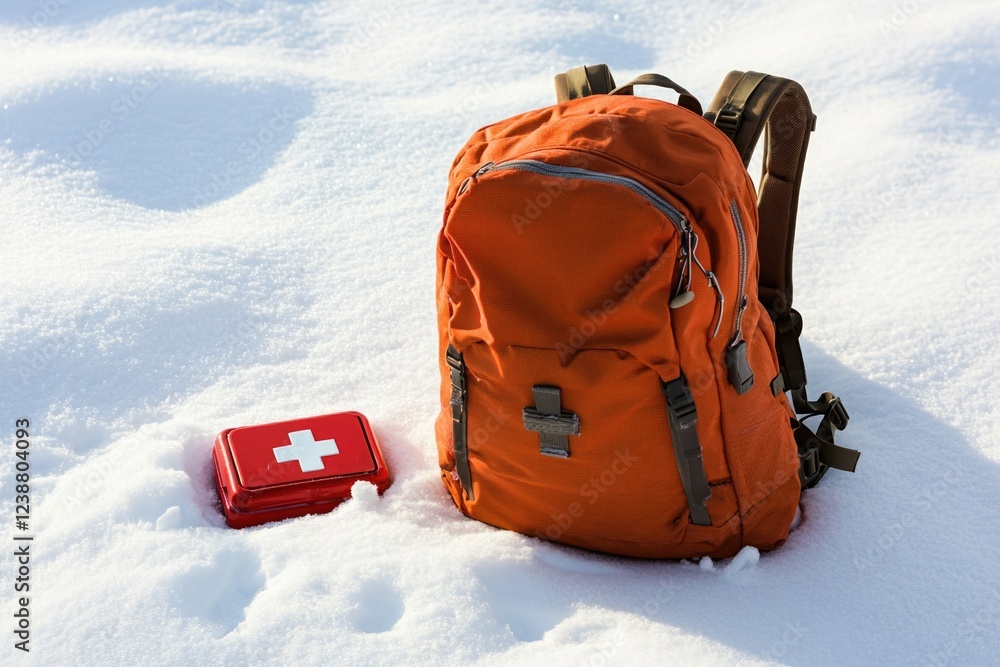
306, 450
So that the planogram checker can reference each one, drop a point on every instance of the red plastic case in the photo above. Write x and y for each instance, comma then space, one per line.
286, 469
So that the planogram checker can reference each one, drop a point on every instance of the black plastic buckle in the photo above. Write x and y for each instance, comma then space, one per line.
811, 469
787, 327
740, 372
728, 120
457, 366
836, 414
680, 401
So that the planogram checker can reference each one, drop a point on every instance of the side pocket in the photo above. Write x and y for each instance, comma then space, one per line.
763, 457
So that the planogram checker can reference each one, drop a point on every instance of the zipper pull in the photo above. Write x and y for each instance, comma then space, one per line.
476, 174
684, 295
682, 299
740, 373
714, 282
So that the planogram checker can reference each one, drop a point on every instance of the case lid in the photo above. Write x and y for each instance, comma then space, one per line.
301, 450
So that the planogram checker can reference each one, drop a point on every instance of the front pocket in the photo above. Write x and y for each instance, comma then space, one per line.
620, 483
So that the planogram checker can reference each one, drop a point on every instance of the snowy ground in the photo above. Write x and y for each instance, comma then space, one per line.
170, 269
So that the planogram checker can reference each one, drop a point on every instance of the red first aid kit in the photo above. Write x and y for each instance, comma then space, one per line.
286, 469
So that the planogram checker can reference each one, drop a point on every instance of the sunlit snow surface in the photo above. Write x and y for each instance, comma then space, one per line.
224, 213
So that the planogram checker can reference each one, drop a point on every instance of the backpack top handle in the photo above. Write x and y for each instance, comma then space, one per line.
597, 80
686, 100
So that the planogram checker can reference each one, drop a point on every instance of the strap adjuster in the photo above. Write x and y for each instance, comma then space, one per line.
457, 366
552, 423
811, 468
565, 423
459, 427
836, 414
683, 418
728, 120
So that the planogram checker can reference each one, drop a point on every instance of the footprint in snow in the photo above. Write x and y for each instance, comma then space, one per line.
376, 607
524, 598
220, 591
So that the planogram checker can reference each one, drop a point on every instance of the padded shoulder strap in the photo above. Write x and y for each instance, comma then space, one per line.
748, 104
584, 81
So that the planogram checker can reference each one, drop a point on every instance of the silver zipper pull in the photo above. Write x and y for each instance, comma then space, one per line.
476, 174
714, 282
684, 295
692, 243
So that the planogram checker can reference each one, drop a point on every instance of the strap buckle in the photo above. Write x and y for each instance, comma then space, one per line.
811, 468
787, 327
683, 418
565, 423
457, 366
552, 423
728, 120
836, 414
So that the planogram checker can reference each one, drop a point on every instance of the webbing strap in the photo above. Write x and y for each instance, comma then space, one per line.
459, 400
747, 105
687, 448
817, 451
730, 115
553, 424
584, 81
685, 99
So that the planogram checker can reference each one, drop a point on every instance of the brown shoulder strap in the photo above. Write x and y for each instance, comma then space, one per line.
747, 105
584, 81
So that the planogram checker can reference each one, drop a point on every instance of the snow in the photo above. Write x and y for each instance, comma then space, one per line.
223, 213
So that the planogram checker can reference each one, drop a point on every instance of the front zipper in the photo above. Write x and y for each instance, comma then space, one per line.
689, 239
560, 171
741, 298
740, 372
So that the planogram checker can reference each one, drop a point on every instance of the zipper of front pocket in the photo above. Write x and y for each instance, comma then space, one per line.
741, 297
689, 238
740, 373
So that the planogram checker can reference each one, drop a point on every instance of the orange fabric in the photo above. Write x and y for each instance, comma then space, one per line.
544, 280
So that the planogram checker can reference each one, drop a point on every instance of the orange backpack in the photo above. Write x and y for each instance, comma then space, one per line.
608, 307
